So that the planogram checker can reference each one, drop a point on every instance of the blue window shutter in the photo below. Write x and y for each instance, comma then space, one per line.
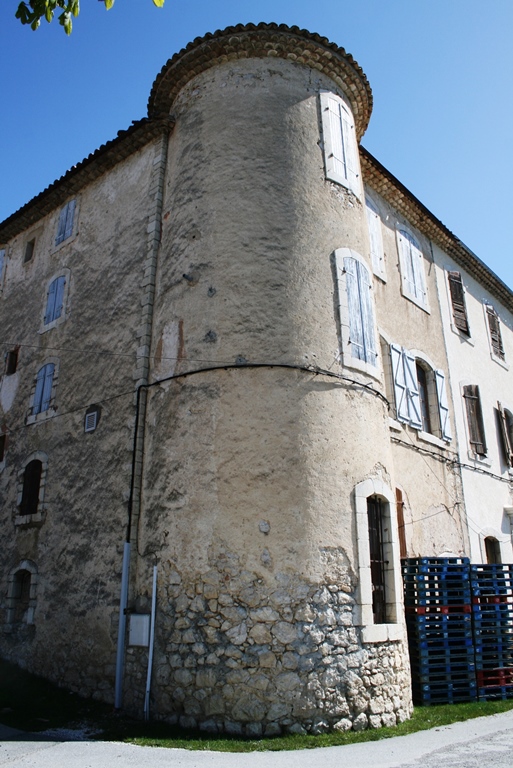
410, 374
400, 388
47, 387
443, 406
356, 333
38, 394
61, 229
68, 231
59, 295
50, 302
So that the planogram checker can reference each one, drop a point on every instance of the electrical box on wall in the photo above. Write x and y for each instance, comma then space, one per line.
139, 629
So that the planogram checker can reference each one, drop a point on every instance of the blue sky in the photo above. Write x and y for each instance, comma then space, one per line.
440, 70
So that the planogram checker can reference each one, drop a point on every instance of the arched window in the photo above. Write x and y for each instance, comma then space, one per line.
493, 550
21, 594
31, 487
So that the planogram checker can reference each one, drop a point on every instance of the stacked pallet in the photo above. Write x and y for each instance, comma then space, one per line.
492, 614
439, 620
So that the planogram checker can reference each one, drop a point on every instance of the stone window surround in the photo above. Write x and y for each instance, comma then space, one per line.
24, 565
346, 359
377, 633
40, 515
43, 415
66, 273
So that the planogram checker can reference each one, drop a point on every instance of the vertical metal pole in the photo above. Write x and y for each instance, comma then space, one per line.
123, 601
152, 642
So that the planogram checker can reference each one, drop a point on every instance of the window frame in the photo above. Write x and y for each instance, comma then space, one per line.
39, 515
393, 628
411, 264
12, 596
339, 143
347, 321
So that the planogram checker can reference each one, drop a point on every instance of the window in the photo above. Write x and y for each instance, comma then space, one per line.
459, 307
21, 594
65, 227
340, 146
379, 583
376, 239
493, 550
31, 487
475, 419
11, 361
361, 315
412, 269
377, 559
43, 392
494, 328
29, 250
54, 299
420, 394
3, 441
505, 419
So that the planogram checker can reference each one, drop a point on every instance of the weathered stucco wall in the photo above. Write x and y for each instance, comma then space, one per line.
77, 545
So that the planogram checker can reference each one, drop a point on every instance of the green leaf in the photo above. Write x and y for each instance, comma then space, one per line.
48, 14
158, 3
35, 24
109, 4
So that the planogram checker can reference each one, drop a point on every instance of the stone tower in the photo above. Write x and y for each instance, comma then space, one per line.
268, 434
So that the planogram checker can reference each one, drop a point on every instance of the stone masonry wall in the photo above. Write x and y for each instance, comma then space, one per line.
235, 654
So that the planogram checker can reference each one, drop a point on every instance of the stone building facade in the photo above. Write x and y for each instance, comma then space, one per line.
233, 368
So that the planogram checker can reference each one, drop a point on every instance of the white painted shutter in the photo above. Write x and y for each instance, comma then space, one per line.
339, 141
47, 387
356, 331
337, 157
443, 406
400, 389
367, 311
410, 375
406, 264
349, 141
59, 295
417, 260
376, 240
50, 302
38, 394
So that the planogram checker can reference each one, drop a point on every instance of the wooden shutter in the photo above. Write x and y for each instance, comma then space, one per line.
339, 140
50, 302
47, 388
61, 228
59, 295
459, 308
70, 214
410, 375
400, 522
495, 332
505, 434
400, 388
418, 273
475, 419
443, 406
367, 312
406, 264
38, 394
376, 240
356, 332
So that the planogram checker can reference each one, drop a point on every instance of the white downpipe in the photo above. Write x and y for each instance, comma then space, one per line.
152, 642
120, 655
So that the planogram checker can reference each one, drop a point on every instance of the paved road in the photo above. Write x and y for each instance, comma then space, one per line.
486, 741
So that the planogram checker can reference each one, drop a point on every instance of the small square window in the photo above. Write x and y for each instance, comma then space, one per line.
29, 250
11, 362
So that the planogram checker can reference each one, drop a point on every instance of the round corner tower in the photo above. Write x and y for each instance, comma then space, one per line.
266, 448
